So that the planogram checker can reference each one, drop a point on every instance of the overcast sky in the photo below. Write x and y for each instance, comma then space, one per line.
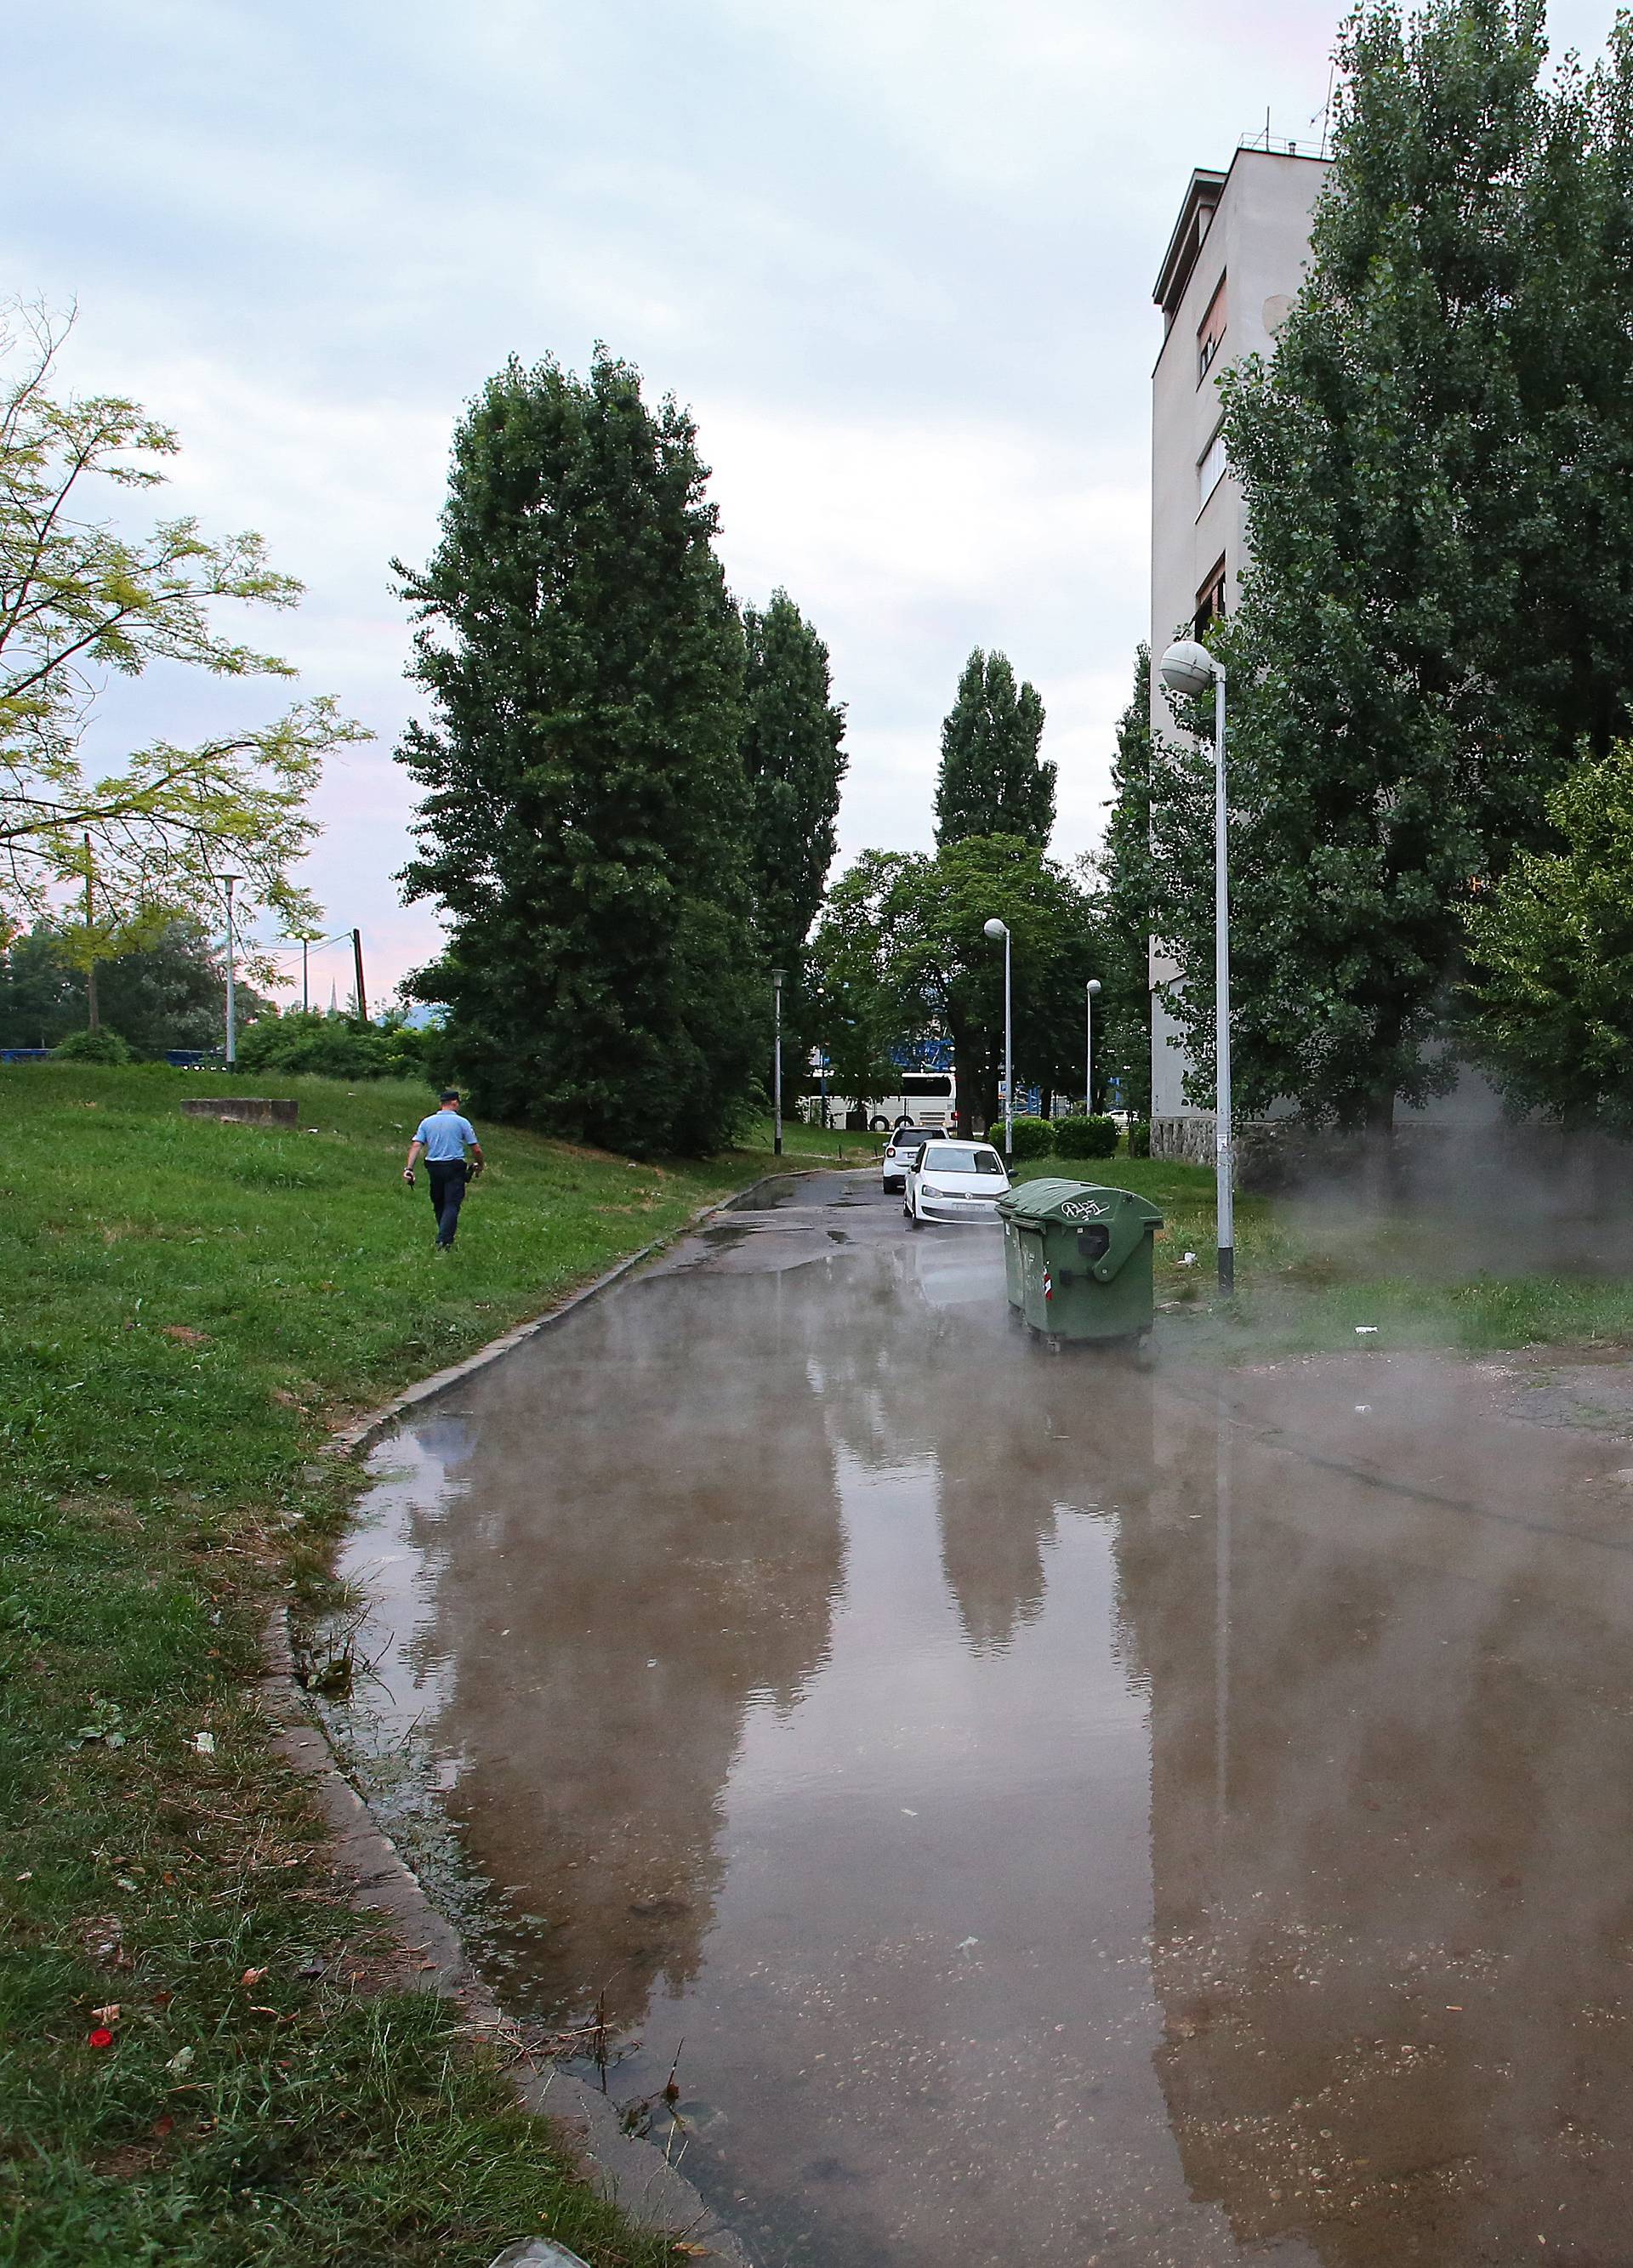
897, 254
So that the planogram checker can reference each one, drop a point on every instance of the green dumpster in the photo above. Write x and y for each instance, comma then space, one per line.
1077, 1258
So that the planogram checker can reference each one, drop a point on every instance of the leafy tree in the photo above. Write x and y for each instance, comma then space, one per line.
1441, 528
794, 758
169, 993
81, 604
858, 1012
992, 780
586, 818
1553, 953
42, 1001
1123, 876
908, 933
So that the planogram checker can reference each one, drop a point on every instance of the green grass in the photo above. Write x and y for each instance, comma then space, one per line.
1307, 1278
190, 1307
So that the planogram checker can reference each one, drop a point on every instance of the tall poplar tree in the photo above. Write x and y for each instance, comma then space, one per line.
1123, 870
992, 780
794, 758
585, 823
1435, 467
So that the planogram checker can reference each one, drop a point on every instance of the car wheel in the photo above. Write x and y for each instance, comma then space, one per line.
913, 1220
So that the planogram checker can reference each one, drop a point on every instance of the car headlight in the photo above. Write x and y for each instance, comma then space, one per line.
929, 1189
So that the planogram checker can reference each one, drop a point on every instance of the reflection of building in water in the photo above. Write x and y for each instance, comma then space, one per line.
613, 1596
1391, 1805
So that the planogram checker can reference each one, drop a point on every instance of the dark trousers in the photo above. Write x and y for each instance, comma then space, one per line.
447, 1194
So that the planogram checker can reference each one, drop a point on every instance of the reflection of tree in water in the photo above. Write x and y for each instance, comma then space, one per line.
647, 1537
1391, 1801
1014, 1433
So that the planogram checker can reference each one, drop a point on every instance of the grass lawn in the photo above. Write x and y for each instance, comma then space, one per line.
1307, 1277
195, 2067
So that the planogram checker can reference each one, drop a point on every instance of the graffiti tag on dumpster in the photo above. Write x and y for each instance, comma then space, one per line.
1083, 1209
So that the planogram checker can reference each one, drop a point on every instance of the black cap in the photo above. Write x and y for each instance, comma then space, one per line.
448, 1094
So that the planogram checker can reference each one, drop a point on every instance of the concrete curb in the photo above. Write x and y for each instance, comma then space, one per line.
362, 1433
637, 2176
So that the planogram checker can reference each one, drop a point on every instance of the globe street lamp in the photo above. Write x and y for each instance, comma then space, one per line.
231, 996
1186, 669
1090, 990
776, 977
995, 929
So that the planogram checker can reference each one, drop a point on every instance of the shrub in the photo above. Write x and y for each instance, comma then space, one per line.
1140, 1141
1079, 1136
101, 1046
1034, 1138
337, 1047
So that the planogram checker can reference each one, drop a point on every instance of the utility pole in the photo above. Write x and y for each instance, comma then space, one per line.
995, 929
91, 1006
777, 977
306, 991
1090, 990
357, 954
1186, 669
231, 998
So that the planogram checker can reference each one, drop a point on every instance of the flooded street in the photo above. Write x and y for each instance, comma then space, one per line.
1057, 1811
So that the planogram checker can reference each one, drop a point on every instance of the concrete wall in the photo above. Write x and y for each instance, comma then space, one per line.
1257, 242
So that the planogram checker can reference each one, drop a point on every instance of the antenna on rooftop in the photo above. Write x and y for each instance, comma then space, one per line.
1326, 114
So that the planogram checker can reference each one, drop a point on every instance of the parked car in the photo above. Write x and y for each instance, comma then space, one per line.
903, 1147
955, 1182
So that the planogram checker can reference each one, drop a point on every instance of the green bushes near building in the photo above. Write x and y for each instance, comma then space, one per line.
1086, 1137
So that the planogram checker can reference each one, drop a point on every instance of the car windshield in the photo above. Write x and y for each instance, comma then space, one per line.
908, 1137
958, 1158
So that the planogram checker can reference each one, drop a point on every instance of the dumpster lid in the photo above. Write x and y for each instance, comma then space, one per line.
1076, 1204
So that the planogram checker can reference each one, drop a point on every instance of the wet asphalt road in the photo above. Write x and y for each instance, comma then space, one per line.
1070, 1814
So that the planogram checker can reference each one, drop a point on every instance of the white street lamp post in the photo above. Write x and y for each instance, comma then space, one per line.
1186, 668
777, 977
995, 929
231, 998
1090, 990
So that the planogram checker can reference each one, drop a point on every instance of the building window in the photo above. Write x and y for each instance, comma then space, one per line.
1210, 468
1210, 335
1210, 600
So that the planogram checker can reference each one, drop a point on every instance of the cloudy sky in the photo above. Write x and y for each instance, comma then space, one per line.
897, 254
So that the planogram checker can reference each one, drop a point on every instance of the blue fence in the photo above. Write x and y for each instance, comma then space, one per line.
178, 1058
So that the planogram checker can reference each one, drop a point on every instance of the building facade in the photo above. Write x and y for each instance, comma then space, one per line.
1233, 262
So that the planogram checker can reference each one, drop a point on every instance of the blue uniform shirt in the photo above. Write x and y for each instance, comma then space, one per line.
444, 1134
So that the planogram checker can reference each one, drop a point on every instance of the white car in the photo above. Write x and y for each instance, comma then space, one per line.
955, 1181
899, 1152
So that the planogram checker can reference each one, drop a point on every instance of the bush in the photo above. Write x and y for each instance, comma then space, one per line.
101, 1046
1034, 1138
1140, 1141
1079, 1136
334, 1047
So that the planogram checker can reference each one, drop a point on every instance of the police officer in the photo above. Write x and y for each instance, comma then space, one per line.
442, 1139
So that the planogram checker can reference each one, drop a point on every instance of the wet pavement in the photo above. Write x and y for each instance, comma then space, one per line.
1058, 1811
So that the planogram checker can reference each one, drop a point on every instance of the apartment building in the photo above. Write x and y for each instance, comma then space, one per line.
1232, 264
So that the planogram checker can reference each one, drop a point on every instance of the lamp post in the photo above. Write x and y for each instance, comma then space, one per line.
1090, 990
995, 929
1186, 669
777, 977
231, 880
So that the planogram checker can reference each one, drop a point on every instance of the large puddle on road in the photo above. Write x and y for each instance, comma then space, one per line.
1057, 1812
